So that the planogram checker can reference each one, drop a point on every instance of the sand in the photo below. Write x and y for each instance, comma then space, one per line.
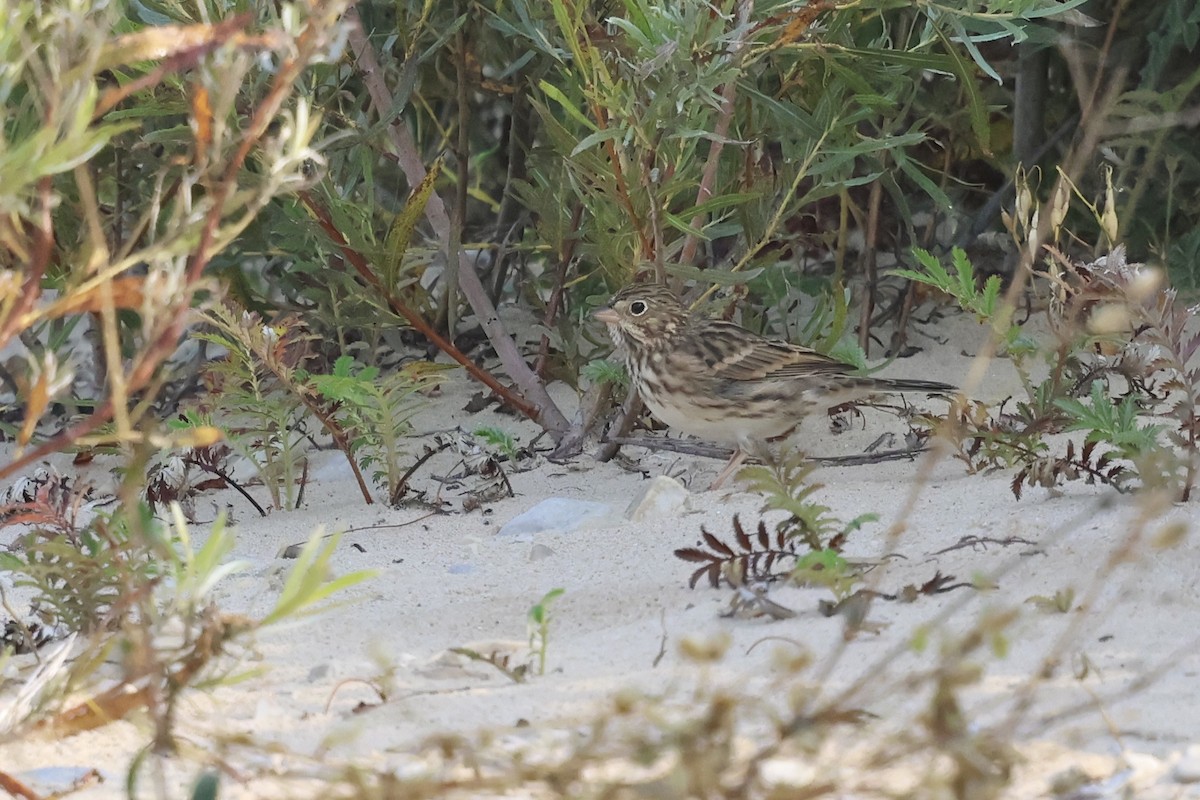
627, 620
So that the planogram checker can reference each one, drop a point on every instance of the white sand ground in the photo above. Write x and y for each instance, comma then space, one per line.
451, 580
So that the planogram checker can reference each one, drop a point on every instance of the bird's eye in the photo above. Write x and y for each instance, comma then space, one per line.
638, 307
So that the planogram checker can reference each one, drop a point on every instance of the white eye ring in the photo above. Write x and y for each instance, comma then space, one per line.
638, 307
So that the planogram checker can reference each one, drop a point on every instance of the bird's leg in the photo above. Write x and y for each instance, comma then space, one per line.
750, 448
735, 462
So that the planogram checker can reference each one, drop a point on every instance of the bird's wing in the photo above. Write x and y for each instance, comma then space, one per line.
732, 353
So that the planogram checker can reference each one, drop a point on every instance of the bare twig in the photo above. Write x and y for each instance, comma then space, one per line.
595, 401
402, 484
16, 788
229, 481
688, 447
631, 409
870, 278
462, 158
695, 448
556, 296
509, 221
720, 130
382, 695
43, 249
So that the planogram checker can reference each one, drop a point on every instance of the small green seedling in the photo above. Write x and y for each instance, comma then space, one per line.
539, 627
1061, 603
826, 568
499, 440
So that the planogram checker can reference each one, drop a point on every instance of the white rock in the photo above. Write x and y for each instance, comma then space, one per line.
1145, 770
661, 497
1187, 769
558, 514
780, 772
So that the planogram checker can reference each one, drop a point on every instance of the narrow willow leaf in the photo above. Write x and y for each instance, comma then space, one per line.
595, 138
400, 235
919, 177
977, 109
715, 276
306, 584
555, 94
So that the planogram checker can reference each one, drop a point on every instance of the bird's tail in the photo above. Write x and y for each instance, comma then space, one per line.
916, 385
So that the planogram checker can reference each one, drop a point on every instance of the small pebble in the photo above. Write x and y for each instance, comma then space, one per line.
539, 552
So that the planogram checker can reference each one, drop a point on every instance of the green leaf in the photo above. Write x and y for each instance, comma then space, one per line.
991, 295
595, 138
403, 224
555, 94
539, 612
208, 786
307, 584
850, 352
683, 226
637, 16
968, 41
918, 176
714, 276
720, 203
605, 371
197, 572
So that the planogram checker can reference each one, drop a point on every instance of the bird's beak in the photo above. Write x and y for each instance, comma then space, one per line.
606, 315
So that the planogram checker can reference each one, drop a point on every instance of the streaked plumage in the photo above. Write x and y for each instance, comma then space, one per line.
721, 382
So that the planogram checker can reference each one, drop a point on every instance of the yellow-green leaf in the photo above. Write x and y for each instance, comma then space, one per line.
400, 234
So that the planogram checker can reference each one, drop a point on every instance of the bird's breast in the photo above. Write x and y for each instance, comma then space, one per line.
687, 403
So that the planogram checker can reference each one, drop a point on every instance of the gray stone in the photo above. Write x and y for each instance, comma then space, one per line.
556, 514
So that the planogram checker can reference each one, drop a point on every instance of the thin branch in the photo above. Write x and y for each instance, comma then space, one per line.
556, 295
402, 484
509, 219
214, 469
614, 160
720, 131
688, 447
869, 266
462, 157
631, 409
595, 401
16, 788
696, 448
43, 249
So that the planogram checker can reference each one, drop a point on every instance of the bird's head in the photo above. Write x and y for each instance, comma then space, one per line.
643, 316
